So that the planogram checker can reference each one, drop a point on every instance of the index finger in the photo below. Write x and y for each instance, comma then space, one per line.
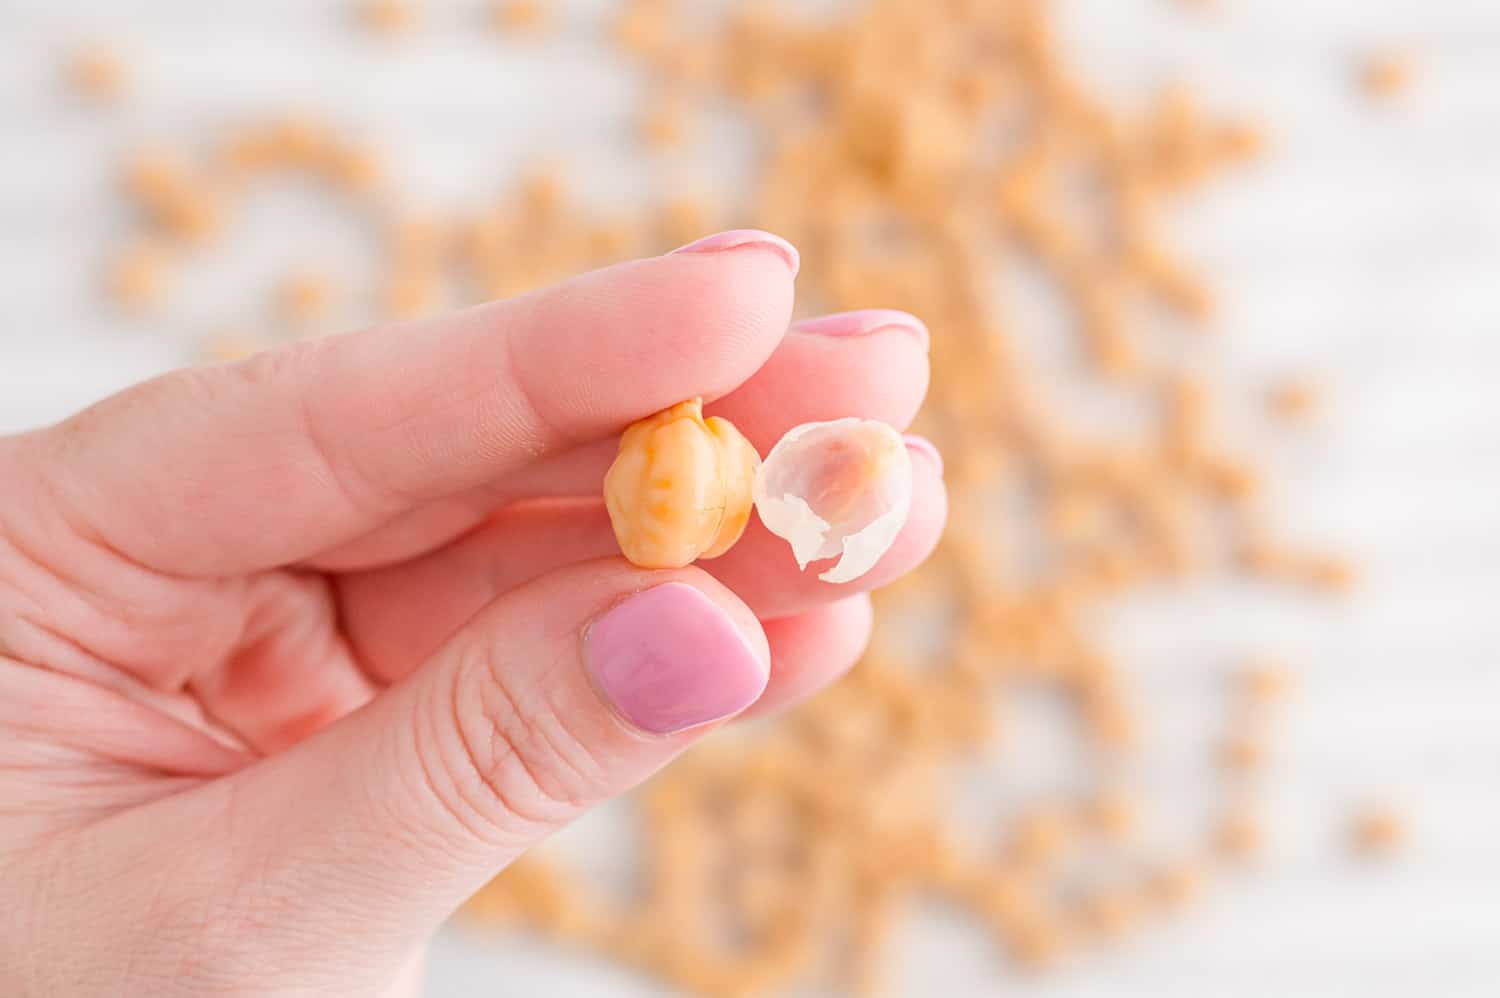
214, 471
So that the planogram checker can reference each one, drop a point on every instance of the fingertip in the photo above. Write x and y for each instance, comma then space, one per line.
813, 649
758, 239
862, 364
925, 450
621, 343
929, 510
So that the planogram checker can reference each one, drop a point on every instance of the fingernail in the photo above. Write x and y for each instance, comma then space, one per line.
864, 322
670, 658
735, 238
921, 445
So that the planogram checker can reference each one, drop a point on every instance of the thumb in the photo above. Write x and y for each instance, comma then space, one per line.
561, 694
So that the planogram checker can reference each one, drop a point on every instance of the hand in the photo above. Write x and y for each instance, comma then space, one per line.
291, 664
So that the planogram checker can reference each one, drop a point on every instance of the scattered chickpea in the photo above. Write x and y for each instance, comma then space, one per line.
1111, 723
545, 191
175, 200
641, 28
516, 16
1040, 836
664, 124
388, 17
613, 241
98, 73
1386, 75
1326, 573
1239, 834
1377, 830
1240, 143
352, 168
1175, 285
305, 296
299, 140
408, 294
1174, 885
1038, 943
1114, 815
1293, 400
1110, 913
685, 219
1329, 572
1266, 682
229, 345
1231, 479
137, 277
149, 172
1243, 752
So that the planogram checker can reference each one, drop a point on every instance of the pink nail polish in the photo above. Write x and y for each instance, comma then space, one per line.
669, 659
736, 238
921, 445
864, 322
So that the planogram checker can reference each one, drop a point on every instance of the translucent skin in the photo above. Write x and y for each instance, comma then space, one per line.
680, 487
836, 488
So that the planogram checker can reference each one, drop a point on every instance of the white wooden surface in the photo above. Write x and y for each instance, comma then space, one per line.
1367, 250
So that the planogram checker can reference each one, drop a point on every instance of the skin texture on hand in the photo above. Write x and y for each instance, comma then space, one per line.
296, 653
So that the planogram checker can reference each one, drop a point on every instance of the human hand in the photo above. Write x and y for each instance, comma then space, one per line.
291, 662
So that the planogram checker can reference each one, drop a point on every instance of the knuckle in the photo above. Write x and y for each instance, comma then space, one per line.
287, 373
516, 766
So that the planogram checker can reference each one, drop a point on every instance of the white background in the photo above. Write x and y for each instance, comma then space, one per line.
1367, 250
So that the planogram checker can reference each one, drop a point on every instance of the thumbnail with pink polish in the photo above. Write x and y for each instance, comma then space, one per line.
669, 659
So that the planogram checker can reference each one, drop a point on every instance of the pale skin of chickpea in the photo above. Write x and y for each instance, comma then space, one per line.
256, 551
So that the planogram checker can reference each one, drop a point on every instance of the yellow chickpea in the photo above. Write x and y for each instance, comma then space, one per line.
680, 487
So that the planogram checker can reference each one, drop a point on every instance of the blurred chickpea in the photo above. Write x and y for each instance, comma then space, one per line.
305, 296
680, 487
388, 17
1377, 830
517, 16
153, 174
228, 345
1242, 752
352, 168
1266, 682
1038, 942
1293, 400
1239, 834
97, 73
1110, 913
1385, 75
1041, 836
1113, 815
1176, 884
137, 277
664, 123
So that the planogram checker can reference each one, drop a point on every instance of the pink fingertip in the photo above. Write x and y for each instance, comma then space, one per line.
737, 238
865, 322
925, 447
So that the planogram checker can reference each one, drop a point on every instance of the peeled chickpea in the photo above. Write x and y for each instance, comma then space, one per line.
680, 487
